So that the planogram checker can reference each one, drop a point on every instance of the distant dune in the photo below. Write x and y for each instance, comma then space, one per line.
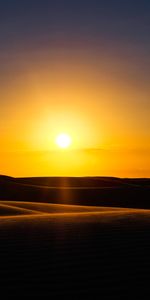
97, 191
81, 181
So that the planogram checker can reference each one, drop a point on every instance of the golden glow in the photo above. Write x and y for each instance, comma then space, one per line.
105, 116
63, 140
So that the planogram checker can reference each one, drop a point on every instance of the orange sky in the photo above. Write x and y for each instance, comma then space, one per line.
97, 102
76, 67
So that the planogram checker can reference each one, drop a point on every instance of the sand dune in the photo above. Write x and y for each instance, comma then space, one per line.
77, 191
44, 208
7, 209
74, 243
72, 251
16, 208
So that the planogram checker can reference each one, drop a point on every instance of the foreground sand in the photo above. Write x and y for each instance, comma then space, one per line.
73, 251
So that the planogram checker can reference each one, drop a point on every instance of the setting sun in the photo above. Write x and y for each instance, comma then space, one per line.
63, 140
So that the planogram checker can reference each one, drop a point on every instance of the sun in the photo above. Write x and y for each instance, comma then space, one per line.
63, 140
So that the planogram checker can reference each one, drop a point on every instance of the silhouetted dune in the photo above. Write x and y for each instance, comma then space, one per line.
138, 181
74, 181
84, 181
117, 192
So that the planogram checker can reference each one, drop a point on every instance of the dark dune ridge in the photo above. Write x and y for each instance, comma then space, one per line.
97, 191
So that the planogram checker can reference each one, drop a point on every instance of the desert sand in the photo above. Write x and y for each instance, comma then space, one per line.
73, 251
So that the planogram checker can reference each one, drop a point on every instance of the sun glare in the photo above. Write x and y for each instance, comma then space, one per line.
63, 140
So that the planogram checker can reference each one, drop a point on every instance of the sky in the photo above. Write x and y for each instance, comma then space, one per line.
79, 67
